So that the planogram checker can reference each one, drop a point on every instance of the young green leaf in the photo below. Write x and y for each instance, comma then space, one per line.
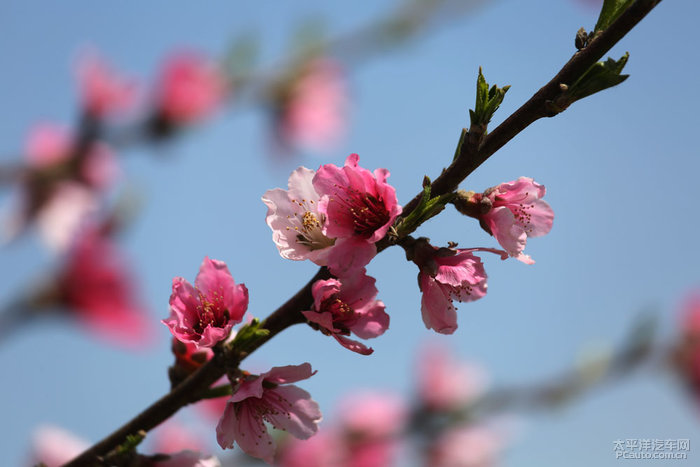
610, 12
602, 75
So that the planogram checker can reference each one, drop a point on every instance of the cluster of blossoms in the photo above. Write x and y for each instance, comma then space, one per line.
67, 173
336, 215
202, 318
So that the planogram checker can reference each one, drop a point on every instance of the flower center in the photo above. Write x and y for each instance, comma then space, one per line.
308, 226
343, 314
211, 312
368, 212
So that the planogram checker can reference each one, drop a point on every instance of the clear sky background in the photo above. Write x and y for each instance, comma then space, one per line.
620, 169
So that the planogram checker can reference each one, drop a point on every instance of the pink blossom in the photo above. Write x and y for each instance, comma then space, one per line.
173, 436
459, 276
312, 110
204, 314
191, 88
69, 208
214, 407
467, 447
516, 212
445, 383
687, 350
104, 92
54, 446
359, 206
268, 397
49, 145
295, 220
96, 285
371, 423
56, 192
346, 305
324, 449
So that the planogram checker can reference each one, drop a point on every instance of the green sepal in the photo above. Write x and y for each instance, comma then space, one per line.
611, 10
602, 75
640, 339
132, 441
427, 207
487, 101
462, 138
249, 335
218, 391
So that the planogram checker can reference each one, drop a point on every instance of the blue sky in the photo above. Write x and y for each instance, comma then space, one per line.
620, 170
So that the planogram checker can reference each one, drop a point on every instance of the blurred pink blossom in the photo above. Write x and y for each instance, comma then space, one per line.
687, 351
191, 87
470, 446
205, 314
96, 285
445, 383
49, 145
268, 397
324, 449
104, 92
59, 191
348, 305
61, 218
371, 423
173, 436
55, 446
312, 109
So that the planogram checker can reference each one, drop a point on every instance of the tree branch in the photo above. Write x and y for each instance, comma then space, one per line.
537, 106
192, 388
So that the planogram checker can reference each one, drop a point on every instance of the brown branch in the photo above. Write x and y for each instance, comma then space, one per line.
537, 107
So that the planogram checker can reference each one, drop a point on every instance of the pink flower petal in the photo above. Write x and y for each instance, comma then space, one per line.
293, 411
289, 373
436, 306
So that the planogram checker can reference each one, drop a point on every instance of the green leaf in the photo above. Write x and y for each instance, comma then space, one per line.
602, 75
487, 101
611, 10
